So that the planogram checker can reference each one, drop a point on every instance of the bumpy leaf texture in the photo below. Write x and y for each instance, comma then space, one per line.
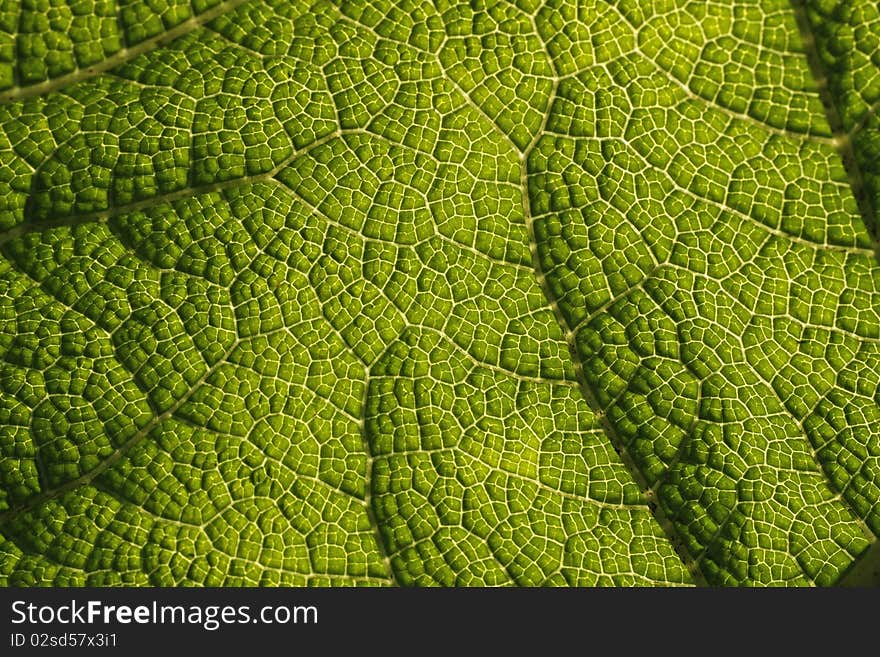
536, 292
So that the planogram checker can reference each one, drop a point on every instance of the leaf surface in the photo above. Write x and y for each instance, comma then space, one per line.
533, 293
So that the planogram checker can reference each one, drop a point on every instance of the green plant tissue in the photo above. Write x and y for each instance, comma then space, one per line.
410, 292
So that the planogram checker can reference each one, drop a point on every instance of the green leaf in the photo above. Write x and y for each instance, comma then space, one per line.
571, 292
